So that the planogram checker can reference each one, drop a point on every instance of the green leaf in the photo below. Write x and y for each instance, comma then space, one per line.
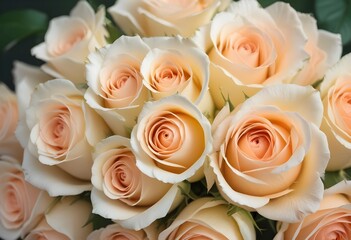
335, 16
19, 24
332, 178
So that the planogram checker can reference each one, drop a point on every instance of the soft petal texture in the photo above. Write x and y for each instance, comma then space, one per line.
324, 50
163, 17
70, 39
163, 138
208, 219
249, 49
269, 153
61, 138
335, 93
22, 205
331, 221
116, 90
115, 231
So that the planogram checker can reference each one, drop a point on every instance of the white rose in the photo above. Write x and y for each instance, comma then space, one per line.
63, 131
164, 17
336, 97
69, 40
269, 154
171, 140
124, 194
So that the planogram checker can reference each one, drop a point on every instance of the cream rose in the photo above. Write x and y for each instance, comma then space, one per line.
69, 40
206, 218
164, 17
331, 221
114, 231
336, 96
175, 66
171, 140
250, 47
324, 50
269, 154
124, 194
21, 204
116, 89
67, 220
63, 131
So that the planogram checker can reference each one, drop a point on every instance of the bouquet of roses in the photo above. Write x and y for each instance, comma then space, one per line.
203, 120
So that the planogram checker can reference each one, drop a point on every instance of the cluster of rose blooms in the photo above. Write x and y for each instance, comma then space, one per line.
223, 93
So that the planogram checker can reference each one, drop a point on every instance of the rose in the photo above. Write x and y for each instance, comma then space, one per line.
116, 89
175, 66
114, 231
160, 17
250, 47
69, 40
122, 193
63, 131
269, 154
324, 50
206, 218
67, 219
331, 221
21, 204
171, 140
336, 95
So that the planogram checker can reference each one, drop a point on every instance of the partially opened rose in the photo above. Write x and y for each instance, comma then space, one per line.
66, 220
336, 96
171, 140
70, 39
21, 204
331, 221
164, 17
250, 47
269, 154
116, 89
115, 231
207, 218
63, 131
122, 192
175, 66
324, 50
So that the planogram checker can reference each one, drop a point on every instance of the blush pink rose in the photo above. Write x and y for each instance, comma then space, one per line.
164, 17
62, 131
206, 218
69, 40
336, 96
163, 140
269, 154
21, 204
122, 192
331, 221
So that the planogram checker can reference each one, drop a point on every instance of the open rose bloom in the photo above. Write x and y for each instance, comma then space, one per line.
269, 154
331, 221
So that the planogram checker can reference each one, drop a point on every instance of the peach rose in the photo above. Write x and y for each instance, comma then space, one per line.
250, 47
336, 96
164, 17
324, 50
269, 154
206, 218
115, 83
124, 194
175, 66
63, 131
69, 40
331, 221
171, 140
67, 220
114, 231
21, 205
